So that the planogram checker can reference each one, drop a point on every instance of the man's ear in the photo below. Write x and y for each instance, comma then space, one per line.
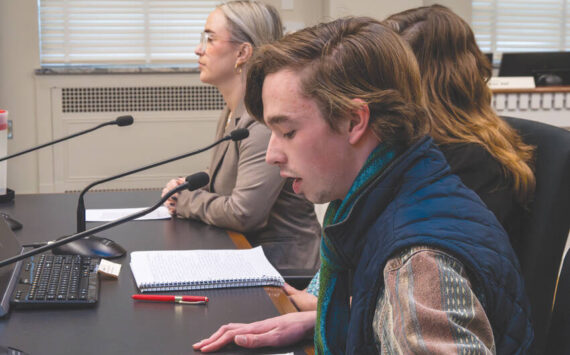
245, 52
359, 121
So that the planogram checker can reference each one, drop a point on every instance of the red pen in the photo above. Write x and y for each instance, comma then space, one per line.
171, 298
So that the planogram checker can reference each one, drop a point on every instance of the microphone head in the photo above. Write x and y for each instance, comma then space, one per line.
239, 134
196, 181
124, 120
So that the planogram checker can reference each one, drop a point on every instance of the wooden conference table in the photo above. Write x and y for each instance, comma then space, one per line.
119, 325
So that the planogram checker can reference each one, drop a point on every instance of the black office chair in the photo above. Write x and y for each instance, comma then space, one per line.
546, 230
559, 334
299, 278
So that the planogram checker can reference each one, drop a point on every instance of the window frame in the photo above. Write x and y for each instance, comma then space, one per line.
145, 33
497, 27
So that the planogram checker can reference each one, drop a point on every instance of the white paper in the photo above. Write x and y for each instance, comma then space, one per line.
107, 215
200, 269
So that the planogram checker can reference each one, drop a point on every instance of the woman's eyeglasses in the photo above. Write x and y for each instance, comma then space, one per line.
205, 37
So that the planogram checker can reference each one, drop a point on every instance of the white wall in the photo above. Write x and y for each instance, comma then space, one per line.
19, 56
377, 9
381, 9
297, 14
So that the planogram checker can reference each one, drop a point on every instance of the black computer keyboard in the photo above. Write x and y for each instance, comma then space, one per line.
48, 280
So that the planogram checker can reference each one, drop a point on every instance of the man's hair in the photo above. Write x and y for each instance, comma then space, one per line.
346, 59
454, 74
252, 22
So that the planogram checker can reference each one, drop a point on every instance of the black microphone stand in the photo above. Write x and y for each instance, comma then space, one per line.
235, 135
193, 182
120, 121
9, 196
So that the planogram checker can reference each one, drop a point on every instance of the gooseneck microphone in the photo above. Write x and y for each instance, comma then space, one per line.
235, 135
120, 121
193, 182
238, 134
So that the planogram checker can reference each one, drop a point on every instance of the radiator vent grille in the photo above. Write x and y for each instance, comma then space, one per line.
121, 99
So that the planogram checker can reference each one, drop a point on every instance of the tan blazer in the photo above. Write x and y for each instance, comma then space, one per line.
248, 195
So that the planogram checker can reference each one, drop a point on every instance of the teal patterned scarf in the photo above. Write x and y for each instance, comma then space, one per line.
333, 305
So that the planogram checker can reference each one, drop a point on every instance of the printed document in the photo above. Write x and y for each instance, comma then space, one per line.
107, 215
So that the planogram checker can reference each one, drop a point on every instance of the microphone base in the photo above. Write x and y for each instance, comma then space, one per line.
8, 196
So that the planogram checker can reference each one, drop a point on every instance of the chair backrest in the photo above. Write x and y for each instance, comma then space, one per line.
559, 334
545, 231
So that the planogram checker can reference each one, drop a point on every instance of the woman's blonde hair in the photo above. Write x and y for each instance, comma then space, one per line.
454, 74
252, 22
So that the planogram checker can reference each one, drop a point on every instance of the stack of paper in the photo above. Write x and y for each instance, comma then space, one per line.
177, 270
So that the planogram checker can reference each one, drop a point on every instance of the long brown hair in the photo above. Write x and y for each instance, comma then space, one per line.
349, 58
454, 74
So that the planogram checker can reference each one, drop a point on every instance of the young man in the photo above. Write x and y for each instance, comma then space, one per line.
412, 260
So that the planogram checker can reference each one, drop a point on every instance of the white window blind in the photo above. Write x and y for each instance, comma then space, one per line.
522, 25
118, 32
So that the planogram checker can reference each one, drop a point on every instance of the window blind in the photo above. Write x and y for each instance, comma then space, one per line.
521, 25
119, 32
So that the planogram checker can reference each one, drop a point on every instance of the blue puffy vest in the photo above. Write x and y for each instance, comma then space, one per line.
416, 201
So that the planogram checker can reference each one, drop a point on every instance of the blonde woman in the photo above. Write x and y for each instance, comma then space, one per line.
245, 193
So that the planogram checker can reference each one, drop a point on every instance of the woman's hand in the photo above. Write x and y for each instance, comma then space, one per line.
171, 202
303, 300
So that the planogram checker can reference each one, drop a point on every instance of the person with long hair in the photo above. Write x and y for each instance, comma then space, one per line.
246, 194
482, 149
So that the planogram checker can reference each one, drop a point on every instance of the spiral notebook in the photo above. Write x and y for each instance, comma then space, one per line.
178, 270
